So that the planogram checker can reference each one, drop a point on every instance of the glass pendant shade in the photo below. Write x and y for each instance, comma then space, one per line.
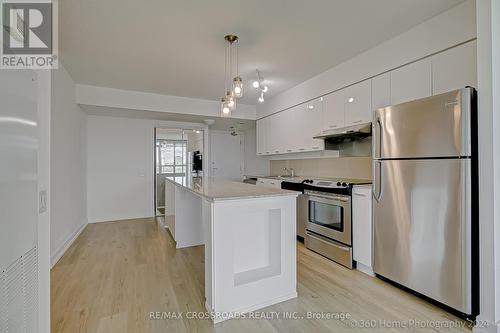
231, 101
225, 111
238, 87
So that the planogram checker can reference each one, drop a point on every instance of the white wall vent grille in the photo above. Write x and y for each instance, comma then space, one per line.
19, 295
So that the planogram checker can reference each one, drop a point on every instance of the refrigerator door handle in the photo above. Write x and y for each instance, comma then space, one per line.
377, 176
377, 145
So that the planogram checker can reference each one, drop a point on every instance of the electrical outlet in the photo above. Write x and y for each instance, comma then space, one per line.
42, 202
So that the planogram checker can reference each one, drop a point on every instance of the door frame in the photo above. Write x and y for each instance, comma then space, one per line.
173, 125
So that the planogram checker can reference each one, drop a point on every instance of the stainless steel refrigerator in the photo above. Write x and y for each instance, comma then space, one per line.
425, 198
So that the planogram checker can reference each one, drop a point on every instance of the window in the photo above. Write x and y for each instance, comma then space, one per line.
171, 158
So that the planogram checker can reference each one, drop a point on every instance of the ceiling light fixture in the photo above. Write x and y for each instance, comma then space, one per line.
259, 84
261, 98
233, 86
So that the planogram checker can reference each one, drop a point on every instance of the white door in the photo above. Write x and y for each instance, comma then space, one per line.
226, 156
18, 201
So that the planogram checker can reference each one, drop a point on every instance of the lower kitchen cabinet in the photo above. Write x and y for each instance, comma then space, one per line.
362, 228
269, 182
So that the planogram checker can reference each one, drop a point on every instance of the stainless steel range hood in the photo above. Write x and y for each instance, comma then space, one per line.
347, 134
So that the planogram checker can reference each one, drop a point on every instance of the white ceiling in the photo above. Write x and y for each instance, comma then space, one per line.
176, 47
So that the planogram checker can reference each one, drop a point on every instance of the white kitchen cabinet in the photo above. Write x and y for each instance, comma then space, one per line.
314, 124
263, 137
411, 82
259, 135
333, 111
301, 141
268, 182
291, 128
362, 228
274, 134
454, 68
381, 91
358, 103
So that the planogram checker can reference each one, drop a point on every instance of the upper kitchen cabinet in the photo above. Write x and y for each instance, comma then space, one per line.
314, 123
358, 103
333, 111
411, 82
454, 68
381, 91
260, 133
276, 140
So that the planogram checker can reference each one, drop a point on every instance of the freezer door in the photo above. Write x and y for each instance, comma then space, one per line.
422, 228
437, 126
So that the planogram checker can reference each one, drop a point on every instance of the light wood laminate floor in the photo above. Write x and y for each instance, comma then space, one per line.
116, 273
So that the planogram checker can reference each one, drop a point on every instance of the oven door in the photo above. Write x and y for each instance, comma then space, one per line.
329, 215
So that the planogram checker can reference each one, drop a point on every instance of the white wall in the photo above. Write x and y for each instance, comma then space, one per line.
120, 163
443, 31
488, 18
67, 174
44, 255
119, 168
254, 165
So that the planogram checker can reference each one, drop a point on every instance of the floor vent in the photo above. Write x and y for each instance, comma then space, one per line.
19, 295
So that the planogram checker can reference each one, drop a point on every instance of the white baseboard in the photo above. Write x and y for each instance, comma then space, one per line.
365, 269
54, 258
121, 218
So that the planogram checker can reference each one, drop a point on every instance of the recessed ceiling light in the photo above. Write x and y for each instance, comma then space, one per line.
255, 84
351, 99
310, 106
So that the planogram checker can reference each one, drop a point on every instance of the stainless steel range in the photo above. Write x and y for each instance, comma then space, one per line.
327, 216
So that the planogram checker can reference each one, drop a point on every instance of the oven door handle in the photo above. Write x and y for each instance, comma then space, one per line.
328, 197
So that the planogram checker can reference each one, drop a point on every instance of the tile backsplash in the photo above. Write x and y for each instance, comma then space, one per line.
340, 167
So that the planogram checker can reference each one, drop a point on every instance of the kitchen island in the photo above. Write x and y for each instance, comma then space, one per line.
249, 237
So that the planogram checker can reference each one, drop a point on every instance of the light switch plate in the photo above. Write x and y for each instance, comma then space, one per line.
42, 202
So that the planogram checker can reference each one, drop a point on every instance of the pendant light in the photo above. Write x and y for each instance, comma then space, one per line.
259, 84
225, 111
233, 87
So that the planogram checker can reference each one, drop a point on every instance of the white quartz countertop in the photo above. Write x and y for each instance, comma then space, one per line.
215, 189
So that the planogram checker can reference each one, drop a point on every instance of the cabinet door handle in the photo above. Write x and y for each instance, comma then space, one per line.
357, 121
333, 126
315, 147
288, 150
302, 149
276, 151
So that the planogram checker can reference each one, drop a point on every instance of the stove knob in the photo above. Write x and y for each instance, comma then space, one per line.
339, 184
344, 184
